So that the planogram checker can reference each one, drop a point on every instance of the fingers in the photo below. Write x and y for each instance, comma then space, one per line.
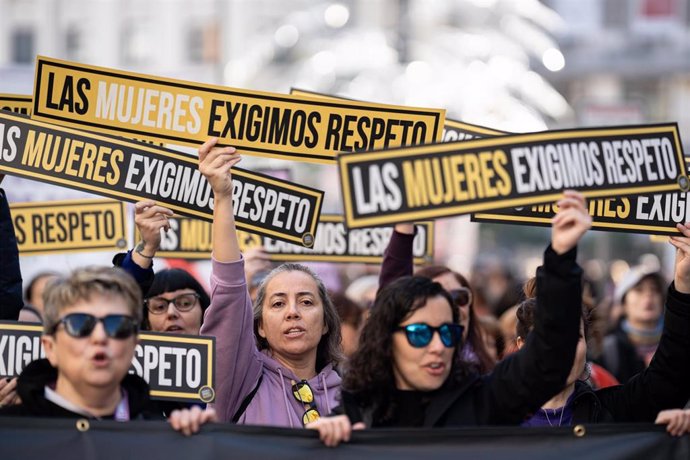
188, 421
332, 430
8, 391
677, 421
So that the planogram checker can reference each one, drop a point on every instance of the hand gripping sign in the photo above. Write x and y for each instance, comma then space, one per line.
177, 367
131, 171
16, 103
69, 226
439, 180
258, 123
334, 242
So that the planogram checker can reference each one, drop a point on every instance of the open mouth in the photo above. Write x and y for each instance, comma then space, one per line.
100, 358
294, 332
435, 369
174, 329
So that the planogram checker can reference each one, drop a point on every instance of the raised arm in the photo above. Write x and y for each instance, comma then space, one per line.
665, 384
11, 301
398, 256
149, 219
521, 383
229, 317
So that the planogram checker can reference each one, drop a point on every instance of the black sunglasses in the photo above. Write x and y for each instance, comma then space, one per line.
420, 334
82, 325
462, 297
183, 302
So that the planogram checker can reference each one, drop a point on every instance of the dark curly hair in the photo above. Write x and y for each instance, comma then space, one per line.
474, 337
370, 378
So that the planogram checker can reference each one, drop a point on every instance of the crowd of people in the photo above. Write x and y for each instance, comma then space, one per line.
421, 349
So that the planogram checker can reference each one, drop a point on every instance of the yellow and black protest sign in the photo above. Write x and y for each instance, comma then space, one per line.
439, 180
16, 103
453, 130
69, 226
655, 214
177, 367
258, 123
334, 242
131, 171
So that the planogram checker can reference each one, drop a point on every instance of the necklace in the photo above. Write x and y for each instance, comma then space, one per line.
560, 420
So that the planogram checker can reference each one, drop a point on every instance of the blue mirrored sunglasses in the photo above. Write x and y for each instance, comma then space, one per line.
420, 334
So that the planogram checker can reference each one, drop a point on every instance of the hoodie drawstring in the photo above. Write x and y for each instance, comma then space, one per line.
325, 390
287, 404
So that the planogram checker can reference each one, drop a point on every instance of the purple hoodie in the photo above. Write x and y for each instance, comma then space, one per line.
240, 365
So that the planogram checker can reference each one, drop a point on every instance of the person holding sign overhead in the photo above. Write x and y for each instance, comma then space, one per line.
276, 362
406, 372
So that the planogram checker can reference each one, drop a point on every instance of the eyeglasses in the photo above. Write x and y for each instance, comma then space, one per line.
462, 296
420, 334
81, 325
303, 393
183, 302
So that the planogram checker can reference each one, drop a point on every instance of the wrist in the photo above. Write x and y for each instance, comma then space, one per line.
144, 251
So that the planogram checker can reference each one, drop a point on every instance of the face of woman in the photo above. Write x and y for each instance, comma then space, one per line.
172, 319
449, 282
425, 368
644, 304
292, 317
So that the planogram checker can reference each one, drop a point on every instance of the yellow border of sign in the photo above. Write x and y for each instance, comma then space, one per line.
437, 115
476, 129
170, 154
90, 201
18, 98
430, 226
201, 340
346, 159
666, 231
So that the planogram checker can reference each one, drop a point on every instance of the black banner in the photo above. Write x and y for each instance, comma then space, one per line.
130, 171
177, 367
191, 239
57, 439
447, 179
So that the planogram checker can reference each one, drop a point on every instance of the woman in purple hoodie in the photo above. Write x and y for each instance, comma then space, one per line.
275, 362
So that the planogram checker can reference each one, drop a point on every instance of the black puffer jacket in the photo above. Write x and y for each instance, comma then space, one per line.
39, 373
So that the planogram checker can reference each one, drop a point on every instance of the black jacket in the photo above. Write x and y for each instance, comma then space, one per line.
39, 373
665, 384
11, 301
619, 356
521, 383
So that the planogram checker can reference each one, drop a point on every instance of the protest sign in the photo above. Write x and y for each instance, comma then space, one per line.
16, 103
177, 367
129, 171
69, 226
334, 242
185, 113
447, 179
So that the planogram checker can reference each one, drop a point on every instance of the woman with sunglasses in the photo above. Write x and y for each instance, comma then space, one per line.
91, 322
665, 384
398, 262
406, 372
276, 362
